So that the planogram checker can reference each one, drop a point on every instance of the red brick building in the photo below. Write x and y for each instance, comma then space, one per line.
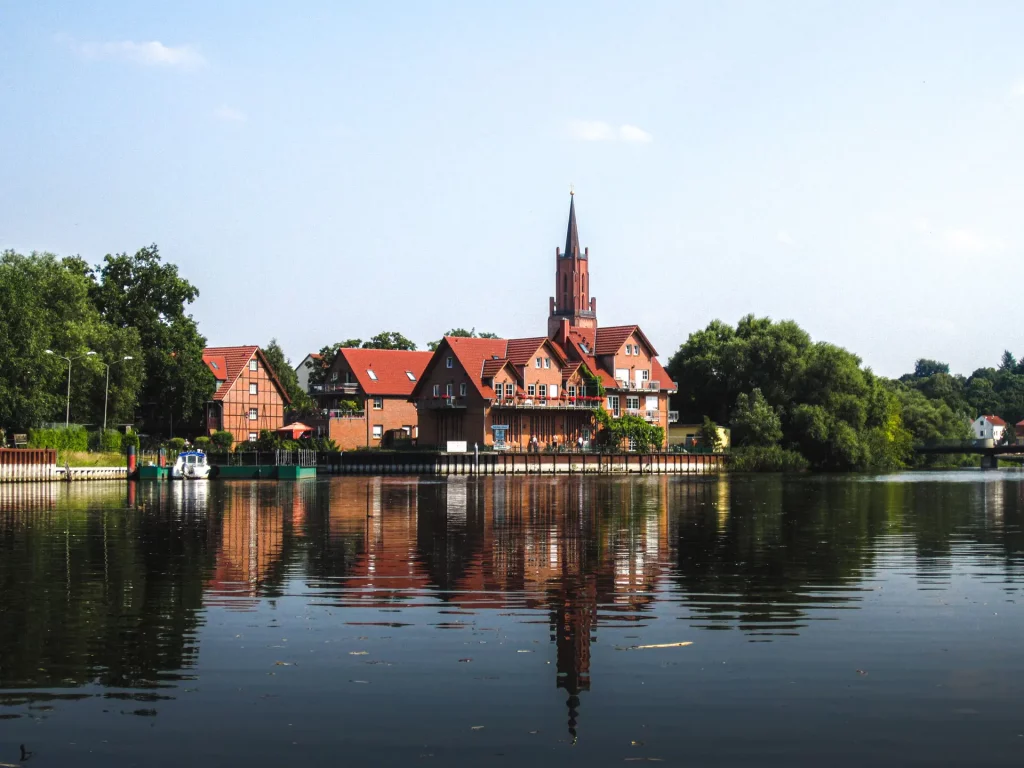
249, 397
506, 392
366, 395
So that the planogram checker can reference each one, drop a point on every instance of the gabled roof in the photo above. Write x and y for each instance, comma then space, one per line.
521, 351
994, 420
493, 365
390, 366
610, 339
233, 360
473, 353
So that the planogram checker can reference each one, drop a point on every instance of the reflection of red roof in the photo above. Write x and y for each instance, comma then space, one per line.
227, 363
994, 420
391, 367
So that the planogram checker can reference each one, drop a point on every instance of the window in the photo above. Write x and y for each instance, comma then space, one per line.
613, 404
253, 389
547, 362
253, 365
636, 350
509, 389
632, 443
448, 389
531, 389
378, 431
553, 391
253, 414
334, 376
407, 429
645, 375
633, 403
628, 348
378, 403
651, 403
213, 364
437, 390
253, 437
462, 389
449, 363
411, 375
572, 390
537, 363
371, 374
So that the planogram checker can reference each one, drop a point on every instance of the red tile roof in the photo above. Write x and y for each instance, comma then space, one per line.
390, 366
493, 365
610, 339
994, 420
472, 354
233, 360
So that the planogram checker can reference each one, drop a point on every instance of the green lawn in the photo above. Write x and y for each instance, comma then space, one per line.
88, 459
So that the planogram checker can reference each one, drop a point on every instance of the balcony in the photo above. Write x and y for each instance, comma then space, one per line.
341, 387
562, 403
441, 402
337, 413
638, 386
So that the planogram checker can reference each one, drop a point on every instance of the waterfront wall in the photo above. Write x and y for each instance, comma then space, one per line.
27, 464
359, 462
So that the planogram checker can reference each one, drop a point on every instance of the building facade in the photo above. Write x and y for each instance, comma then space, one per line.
988, 427
249, 398
365, 398
304, 368
544, 391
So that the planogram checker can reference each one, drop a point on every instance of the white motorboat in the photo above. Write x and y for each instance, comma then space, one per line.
190, 465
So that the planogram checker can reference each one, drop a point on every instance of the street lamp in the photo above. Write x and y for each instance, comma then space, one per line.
106, 390
67, 414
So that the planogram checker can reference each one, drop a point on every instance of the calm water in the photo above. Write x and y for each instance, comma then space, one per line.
399, 621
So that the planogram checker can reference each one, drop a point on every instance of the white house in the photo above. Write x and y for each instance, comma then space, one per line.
302, 370
988, 427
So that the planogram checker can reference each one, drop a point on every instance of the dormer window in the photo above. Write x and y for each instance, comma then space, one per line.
371, 374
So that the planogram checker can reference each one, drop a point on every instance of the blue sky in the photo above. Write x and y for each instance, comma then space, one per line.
323, 170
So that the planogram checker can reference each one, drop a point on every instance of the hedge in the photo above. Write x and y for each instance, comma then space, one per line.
70, 439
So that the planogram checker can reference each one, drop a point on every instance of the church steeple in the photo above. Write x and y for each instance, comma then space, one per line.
572, 237
572, 304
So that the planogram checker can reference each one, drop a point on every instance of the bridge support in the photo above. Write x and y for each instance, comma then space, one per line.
989, 462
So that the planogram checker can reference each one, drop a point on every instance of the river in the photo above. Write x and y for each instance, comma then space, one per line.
847, 620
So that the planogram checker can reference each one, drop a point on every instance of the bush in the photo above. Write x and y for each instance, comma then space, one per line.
202, 443
132, 438
767, 459
176, 445
222, 439
70, 439
110, 441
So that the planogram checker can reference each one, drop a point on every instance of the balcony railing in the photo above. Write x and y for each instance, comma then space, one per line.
442, 401
673, 417
337, 413
589, 403
639, 386
336, 386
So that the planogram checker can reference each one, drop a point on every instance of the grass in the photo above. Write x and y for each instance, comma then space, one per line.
89, 459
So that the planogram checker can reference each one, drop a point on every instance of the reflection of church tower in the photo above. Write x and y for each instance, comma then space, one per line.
574, 615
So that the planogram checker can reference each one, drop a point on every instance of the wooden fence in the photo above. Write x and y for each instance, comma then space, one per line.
27, 464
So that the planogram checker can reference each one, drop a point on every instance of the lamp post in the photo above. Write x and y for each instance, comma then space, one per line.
106, 389
67, 413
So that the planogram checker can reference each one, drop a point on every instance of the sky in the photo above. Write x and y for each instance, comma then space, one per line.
328, 170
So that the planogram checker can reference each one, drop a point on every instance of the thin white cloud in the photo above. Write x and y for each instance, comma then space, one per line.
151, 54
598, 130
634, 135
957, 239
785, 238
229, 114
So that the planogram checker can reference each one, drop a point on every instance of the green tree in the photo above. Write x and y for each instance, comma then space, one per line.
462, 333
924, 368
709, 437
301, 402
142, 292
389, 340
1008, 362
754, 422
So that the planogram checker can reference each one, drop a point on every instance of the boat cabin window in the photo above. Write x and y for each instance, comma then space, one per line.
191, 459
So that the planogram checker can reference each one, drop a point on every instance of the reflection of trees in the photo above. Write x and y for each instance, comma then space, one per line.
92, 591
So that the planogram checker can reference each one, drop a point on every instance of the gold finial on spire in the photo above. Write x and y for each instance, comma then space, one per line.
572, 190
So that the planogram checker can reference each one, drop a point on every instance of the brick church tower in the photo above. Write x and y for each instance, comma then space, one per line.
572, 300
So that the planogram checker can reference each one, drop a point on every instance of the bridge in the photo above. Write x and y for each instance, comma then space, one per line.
990, 452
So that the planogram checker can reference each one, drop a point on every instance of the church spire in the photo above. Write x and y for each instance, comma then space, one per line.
572, 237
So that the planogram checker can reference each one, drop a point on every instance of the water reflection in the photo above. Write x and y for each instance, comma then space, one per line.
112, 586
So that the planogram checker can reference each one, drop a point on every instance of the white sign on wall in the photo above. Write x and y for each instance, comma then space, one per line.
456, 446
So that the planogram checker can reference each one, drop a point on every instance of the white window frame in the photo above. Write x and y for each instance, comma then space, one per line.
645, 375
254, 364
371, 374
531, 390
547, 362
536, 363
632, 402
253, 388
462, 389
334, 375
449, 363
253, 437
613, 404
378, 431
448, 389
572, 390
651, 403
553, 391
254, 414
437, 390
411, 375
510, 389
378, 403
636, 350
627, 349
